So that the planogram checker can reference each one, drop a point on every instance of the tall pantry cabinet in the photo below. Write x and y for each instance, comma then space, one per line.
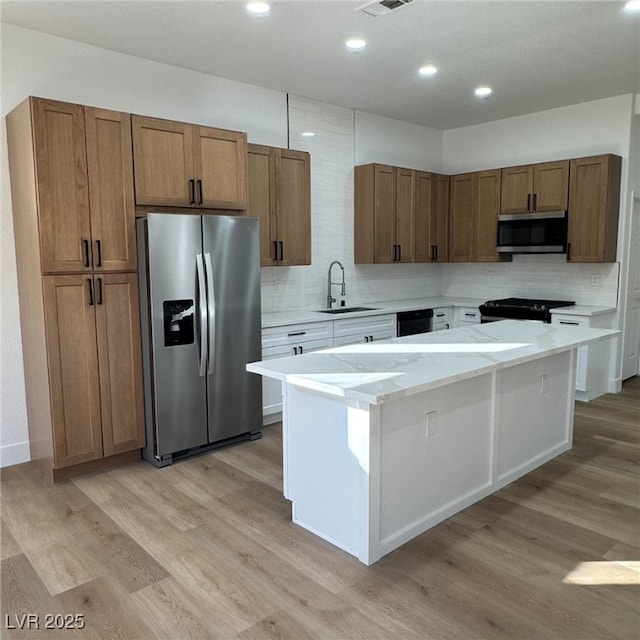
74, 220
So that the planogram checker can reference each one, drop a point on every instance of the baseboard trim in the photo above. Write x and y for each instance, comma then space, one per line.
11, 454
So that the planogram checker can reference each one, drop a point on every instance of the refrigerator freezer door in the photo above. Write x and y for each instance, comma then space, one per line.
232, 257
178, 390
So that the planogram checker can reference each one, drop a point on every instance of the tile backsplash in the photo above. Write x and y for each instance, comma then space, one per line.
332, 181
536, 276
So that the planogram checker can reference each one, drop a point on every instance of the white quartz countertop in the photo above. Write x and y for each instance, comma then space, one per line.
583, 310
381, 371
281, 318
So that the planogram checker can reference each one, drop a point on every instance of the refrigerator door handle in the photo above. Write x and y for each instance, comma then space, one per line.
202, 310
212, 311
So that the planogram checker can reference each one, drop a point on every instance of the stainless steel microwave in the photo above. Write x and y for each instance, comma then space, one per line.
533, 232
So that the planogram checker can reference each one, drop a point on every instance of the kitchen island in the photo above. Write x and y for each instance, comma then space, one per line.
383, 440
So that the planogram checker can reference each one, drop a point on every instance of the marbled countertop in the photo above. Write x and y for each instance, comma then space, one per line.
280, 318
283, 318
381, 371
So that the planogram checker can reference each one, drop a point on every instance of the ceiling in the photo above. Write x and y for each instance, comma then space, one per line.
535, 55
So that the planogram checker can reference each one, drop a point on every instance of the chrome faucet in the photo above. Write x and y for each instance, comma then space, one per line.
331, 300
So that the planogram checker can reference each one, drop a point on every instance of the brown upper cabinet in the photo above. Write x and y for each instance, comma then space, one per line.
279, 195
431, 217
184, 165
535, 188
474, 208
384, 214
594, 204
83, 187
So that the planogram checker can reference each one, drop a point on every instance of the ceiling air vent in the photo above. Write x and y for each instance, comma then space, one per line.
379, 8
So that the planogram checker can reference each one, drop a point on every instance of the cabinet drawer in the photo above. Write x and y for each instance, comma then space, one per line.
295, 334
374, 336
468, 315
571, 321
297, 349
441, 314
365, 326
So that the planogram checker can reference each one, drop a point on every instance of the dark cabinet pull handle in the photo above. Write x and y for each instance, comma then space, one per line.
99, 251
301, 350
295, 351
192, 191
99, 290
370, 338
200, 200
281, 245
366, 338
433, 252
399, 253
90, 281
535, 201
395, 253
86, 252
528, 202
568, 251
275, 250
296, 333
436, 253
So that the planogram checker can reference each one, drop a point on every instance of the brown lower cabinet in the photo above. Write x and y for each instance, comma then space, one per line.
93, 354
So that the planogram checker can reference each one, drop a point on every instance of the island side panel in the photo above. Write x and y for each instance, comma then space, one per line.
436, 457
534, 414
327, 454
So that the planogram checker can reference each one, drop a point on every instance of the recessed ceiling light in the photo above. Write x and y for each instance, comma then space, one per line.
356, 44
483, 92
258, 8
632, 6
428, 70
307, 134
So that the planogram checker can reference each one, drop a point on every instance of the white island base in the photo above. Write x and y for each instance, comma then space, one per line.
368, 478
383, 440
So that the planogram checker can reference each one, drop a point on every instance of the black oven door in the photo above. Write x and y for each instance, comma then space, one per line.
533, 233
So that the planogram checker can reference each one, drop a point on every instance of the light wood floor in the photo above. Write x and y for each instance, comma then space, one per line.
206, 549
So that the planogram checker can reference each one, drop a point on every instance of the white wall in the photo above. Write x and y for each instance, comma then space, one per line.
413, 147
46, 66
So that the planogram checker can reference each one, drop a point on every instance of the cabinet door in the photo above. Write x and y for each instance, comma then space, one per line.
424, 244
384, 213
517, 189
293, 217
462, 217
163, 160
220, 168
551, 186
120, 362
63, 190
440, 218
405, 214
261, 198
488, 206
69, 305
111, 199
594, 197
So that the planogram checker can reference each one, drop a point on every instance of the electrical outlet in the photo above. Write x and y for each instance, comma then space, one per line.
431, 423
597, 281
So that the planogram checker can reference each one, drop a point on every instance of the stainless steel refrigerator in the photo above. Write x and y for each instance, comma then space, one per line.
200, 314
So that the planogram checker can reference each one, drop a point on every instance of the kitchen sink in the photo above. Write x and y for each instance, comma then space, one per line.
347, 309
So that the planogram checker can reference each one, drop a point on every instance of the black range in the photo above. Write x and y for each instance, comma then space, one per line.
520, 309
